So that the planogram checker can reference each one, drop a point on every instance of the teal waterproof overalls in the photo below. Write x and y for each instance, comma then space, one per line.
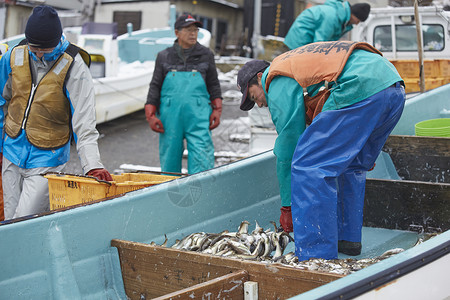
184, 111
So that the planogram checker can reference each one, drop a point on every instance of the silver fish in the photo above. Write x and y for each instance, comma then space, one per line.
258, 229
278, 250
267, 245
243, 228
259, 249
239, 248
391, 252
165, 241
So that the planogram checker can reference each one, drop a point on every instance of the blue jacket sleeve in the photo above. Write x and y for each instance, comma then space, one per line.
5, 70
285, 101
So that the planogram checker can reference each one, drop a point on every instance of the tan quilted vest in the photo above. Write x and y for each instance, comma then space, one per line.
312, 64
44, 112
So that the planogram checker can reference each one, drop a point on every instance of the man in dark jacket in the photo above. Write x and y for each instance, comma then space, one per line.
184, 100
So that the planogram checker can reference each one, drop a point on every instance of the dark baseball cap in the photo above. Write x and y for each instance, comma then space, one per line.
186, 20
247, 72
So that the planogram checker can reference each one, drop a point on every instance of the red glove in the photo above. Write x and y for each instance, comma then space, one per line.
214, 119
155, 123
101, 174
286, 219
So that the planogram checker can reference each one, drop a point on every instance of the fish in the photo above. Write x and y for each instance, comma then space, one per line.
181, 242
259, 249
209, 239
268, 246
278, 250
165, 241
391, 252
219, 246
239, 248
258, 229
243, 228
274, 225
284, 239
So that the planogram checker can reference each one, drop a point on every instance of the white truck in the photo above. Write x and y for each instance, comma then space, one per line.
393, 31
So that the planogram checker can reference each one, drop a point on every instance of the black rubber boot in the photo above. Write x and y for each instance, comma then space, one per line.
349, 248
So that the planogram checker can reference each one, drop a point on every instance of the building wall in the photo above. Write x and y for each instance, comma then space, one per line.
232, 17
226, 21
154, 14
2, 21
16, 20
65, 4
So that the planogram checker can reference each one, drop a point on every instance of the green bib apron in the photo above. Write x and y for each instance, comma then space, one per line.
185, 110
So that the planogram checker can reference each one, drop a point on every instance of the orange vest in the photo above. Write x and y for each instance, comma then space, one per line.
312, 64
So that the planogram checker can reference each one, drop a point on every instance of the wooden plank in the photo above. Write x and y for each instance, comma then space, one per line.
152, 271
420, 158
250, 290
230, 286
397, 204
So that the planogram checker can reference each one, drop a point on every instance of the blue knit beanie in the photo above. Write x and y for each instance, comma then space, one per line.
44, 28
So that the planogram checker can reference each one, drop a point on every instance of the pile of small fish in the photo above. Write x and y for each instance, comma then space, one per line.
259, 245
340, 266
256, 245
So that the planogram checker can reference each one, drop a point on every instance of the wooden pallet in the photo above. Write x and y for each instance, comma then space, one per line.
164, 273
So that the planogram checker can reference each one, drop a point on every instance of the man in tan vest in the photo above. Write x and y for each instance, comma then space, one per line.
351, 98
49, 93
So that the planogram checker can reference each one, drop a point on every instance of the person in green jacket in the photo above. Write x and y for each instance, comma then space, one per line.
333, 105
326, 22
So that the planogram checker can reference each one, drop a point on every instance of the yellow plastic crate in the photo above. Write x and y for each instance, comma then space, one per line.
409, 68
412, 84
134, 181
444, 68
67, 190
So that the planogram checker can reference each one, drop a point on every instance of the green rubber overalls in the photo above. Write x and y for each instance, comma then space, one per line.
184, 111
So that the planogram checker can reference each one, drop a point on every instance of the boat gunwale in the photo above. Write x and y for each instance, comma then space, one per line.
369, 278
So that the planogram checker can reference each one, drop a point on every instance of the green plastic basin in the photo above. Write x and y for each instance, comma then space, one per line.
434, 127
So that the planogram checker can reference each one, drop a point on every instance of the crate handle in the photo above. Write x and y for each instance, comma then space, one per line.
85, 176
98, 180
161, 172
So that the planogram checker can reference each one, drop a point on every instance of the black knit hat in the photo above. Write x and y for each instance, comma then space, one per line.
361, 11
245, 74
43, 28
